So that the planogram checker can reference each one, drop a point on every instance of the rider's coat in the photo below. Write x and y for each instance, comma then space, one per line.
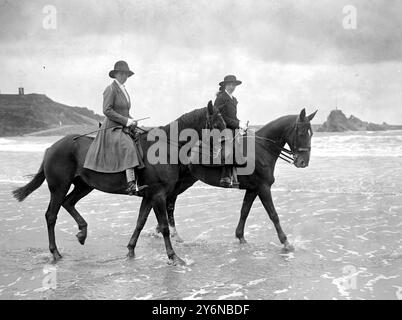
228, 107
113, 150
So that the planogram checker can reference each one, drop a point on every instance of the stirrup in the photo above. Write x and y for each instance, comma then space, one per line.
224, 183
228, 182
140, 188
235, 185
134, 190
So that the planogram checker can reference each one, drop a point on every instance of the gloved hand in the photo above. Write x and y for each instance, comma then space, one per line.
131, 122
243, 125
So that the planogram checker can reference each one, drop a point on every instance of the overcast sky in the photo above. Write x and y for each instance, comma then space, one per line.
289, 55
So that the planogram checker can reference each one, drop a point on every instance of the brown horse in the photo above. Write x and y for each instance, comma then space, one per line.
294, 130
63, 165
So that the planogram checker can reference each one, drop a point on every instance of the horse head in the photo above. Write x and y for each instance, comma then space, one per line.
214, 118
299, 139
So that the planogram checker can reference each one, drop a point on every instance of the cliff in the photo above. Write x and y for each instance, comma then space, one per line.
338, 122
22, 114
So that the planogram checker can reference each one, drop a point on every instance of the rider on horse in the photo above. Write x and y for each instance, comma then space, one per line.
227, 104
113, 150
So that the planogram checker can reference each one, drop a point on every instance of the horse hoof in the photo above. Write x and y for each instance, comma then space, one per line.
177, 238
288, 247
81, 237
56, 256
176, 261
242, 241
131, 254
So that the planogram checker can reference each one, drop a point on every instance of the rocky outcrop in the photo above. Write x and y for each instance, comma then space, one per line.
338, 122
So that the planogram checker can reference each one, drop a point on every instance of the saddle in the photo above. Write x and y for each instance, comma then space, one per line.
133, 132
227, 153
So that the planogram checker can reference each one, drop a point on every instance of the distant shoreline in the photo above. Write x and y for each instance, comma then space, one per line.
83, 129
62, 131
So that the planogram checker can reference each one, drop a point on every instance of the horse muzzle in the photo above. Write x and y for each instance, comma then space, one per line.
301, 160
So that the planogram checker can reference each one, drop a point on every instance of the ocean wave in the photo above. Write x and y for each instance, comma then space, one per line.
6, 141
5, 180
23, 145
338, 191
24, 148
360, 144
357, 145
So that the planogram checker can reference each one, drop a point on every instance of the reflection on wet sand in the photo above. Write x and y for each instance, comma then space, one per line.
342, 213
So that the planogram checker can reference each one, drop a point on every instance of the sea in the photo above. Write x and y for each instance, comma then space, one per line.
343, 214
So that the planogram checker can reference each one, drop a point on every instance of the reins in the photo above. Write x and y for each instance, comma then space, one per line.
284, 154
104, 129
175, 144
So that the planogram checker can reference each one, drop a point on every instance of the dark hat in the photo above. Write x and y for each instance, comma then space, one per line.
228, 79
120, 66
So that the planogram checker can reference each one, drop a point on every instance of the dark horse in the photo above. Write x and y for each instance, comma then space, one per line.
294, 130
63, 165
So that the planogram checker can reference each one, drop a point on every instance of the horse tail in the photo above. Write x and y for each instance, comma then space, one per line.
21, 193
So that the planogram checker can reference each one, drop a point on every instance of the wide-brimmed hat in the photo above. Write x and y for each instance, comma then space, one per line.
229, 79
120, 66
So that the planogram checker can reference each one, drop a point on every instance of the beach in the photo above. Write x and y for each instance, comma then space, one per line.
342, 213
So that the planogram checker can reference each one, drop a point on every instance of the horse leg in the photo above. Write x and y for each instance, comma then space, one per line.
145, 209
186, 181
56, 199
266, 198
81, 189
170, 205
248, 200
159, 206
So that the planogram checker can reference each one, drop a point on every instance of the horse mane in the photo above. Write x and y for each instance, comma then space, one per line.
188, 118
277, 125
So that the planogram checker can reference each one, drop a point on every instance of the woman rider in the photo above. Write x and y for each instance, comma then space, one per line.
227, 104
113, 150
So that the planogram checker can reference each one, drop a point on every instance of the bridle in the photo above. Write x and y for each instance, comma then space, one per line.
208, 120
208, 125
284, 153
297, 148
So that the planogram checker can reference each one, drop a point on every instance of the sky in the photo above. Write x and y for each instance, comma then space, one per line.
290, 54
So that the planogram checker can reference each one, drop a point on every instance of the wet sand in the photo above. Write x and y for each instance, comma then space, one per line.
343, 215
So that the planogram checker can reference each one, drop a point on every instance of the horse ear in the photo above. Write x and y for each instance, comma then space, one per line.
211, 107
302, 114
311, 116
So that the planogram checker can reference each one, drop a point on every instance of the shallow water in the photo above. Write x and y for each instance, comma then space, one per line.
342, 213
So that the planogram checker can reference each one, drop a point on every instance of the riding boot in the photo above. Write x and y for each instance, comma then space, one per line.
133, 189
235, 181
225, 180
